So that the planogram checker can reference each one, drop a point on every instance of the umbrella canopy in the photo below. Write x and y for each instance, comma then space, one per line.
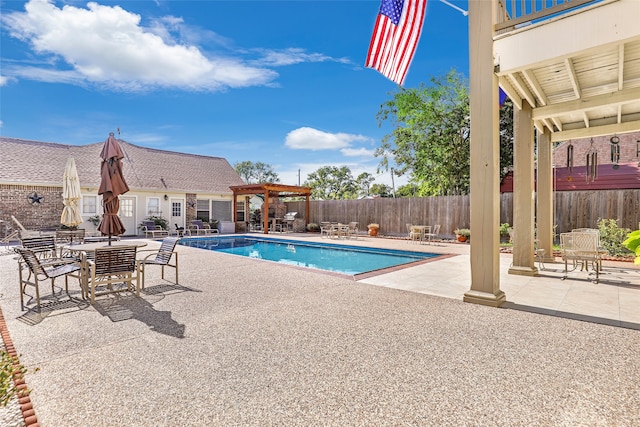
71, 195
112, 184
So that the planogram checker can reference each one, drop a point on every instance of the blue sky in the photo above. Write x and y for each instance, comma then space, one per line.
280, 82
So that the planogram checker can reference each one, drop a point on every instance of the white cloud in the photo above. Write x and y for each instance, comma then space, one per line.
108, 46
294, 56
3, 81
306, 138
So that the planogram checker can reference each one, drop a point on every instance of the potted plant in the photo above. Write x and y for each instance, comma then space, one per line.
312, 227
462, 234
95, 220
373, 229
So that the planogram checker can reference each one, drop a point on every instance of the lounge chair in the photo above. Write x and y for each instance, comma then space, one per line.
111, 265
161, 257
151, 229
39, 270
198, 227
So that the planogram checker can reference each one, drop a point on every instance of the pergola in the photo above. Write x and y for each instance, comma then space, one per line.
270, 190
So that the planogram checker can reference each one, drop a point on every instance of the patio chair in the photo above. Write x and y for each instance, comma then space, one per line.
44, 247
161, 257
200, 228
433, 233
110, 266
325, 229
416, 234
70, 236
181, 231
580, 247
38, 271
151, 228
352, 230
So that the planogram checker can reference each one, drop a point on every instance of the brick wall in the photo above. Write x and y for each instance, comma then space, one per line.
629, 145
14, 201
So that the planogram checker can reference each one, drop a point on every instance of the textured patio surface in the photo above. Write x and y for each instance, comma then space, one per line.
247, 342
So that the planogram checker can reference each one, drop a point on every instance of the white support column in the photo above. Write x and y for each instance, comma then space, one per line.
523, 192
545, 218
485, 159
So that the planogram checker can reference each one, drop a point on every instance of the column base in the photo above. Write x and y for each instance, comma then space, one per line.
485, 298
523, 271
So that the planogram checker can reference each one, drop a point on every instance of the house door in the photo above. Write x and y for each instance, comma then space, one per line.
177, 213
127, 214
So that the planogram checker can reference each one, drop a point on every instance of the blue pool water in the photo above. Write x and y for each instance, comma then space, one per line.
342, 259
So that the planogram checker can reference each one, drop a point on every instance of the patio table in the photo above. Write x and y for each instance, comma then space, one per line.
86, 252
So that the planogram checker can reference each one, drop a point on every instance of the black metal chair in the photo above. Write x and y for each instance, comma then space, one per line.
161, 257
39, 270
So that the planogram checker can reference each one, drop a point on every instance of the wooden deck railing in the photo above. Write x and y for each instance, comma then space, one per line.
514, 13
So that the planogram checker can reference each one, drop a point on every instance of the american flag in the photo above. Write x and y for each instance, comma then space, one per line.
395, 37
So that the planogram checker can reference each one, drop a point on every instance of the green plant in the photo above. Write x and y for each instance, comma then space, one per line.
313, 227
504, 229
95, 220
462, 232
10, 368
612, 236
632, 242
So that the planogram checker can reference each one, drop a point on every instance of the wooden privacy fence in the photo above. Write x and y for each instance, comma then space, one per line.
573, 209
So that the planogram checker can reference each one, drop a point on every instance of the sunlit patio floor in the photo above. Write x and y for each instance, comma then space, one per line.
246, 342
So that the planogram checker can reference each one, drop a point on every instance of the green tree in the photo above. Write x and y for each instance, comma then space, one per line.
256, 173
430, 139
407, 190
332, 183
363, 182
382, 190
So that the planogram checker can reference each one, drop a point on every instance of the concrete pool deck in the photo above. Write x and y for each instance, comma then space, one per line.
248, 342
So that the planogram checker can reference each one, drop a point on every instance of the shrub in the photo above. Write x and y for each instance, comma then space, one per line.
612, 236
633, 244
504, 229
10, 367
313, 227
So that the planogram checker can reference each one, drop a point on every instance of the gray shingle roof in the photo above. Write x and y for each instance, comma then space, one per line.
33, 162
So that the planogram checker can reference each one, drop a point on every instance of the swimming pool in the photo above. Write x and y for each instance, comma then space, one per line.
343, 259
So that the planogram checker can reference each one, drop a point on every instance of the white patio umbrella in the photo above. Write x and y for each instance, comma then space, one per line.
71, 195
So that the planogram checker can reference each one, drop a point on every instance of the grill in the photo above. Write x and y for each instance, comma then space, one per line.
288, 220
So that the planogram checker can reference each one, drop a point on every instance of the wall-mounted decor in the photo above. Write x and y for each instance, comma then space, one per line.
34, 199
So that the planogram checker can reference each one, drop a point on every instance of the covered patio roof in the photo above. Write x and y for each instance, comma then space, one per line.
270, 190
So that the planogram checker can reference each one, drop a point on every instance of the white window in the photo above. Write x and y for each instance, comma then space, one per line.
90, 205
221, 210
202, 209
176, 209
240, 211
153, 206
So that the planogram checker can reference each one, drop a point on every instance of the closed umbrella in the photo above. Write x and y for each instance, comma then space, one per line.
112, 184
70, 195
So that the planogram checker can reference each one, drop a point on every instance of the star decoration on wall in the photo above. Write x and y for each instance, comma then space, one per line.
34, 199
191, 203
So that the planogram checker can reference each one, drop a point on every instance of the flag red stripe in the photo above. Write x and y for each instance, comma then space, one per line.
392, 47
